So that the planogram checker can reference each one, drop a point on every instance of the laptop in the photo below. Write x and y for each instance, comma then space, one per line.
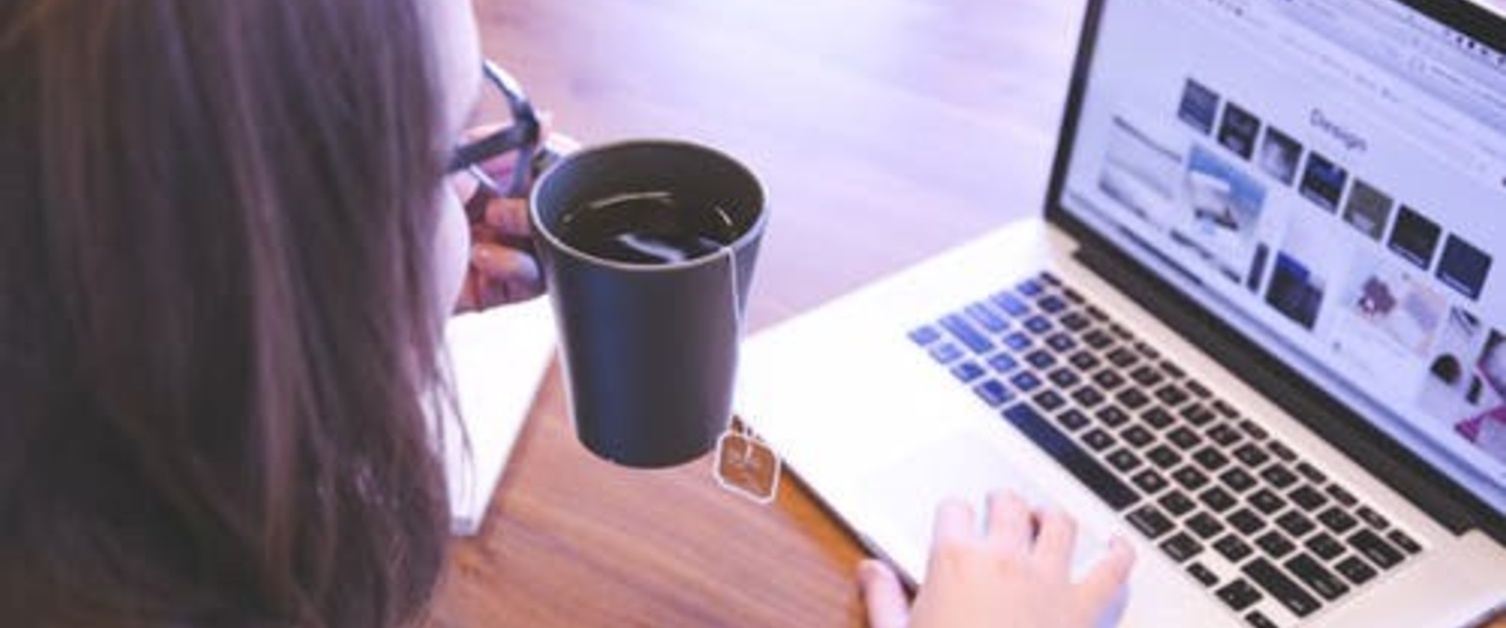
1259, 329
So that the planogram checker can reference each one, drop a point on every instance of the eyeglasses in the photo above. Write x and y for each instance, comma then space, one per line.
520, 136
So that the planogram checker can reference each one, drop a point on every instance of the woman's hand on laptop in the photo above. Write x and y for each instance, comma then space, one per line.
1016, 572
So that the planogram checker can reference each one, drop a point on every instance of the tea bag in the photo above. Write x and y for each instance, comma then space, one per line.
746, 465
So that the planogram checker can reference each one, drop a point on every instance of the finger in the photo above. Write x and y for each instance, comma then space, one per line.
504, 275
1054, 542
1103, 583
882, 595
509, 216
954, 522
1009, 521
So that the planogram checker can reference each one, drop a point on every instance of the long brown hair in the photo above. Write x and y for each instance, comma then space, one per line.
217, 321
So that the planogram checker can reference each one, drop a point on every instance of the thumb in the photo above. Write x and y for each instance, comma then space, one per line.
882, 595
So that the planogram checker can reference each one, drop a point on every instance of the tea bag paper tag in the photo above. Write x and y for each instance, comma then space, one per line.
746, 465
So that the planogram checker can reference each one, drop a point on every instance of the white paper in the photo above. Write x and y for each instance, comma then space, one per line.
498, 359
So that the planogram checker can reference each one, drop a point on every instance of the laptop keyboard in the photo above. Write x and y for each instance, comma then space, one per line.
1267, 532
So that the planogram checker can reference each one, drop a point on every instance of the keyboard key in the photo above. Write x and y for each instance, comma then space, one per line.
1038, 324
1072, 419
1108, 379
1266, 502
1224, 434
1252, 455
1111, 416
1172, 370
945, 352
987, 318
1149, 521
1211, 459
1257, 620
1010, 303
1062, 343
1181, 547
1064, 378
1146, 376
968, 335
1176, 503
1079, 463
1275, 544
1190, 478
1278, 476
1204, 525
1158, 418
1133, 398
1025, 381
1002, 363
1097, 339
1355, 570
1296, 524
1121, 357
1087, 397
1279, 586
1137, 436
1146, 350
1197, 389
1097, 314
993, 392
1370, 517
1311, 473
1282, 451
1149, 481
1325, 546
1050, 278
1123, 460
1336, 520
1348, 499
1049, 400
1237, 480
1249, 427
925, 335
1223, 407
967, 371
1217, 499
1405, 542
1184, 438
1120, 331
1171, 394
1246, 521
1040, 359
1202, 574
1076, 321
1163, 456
1051, 304
1375, 549
1233, 548
1085, 361
1016, 341
1198, 414
1072, 295
1239, 594
1097, 440
1030, 287
1316, 577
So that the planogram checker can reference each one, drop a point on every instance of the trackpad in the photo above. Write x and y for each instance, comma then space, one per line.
906, 496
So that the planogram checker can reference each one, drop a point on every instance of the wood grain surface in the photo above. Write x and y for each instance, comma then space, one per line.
883, 130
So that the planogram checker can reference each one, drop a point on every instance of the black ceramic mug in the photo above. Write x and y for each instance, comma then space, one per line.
648, 249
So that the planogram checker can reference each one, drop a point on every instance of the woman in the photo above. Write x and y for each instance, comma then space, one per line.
227, 249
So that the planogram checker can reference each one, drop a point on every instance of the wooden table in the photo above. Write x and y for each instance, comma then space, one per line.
884, 130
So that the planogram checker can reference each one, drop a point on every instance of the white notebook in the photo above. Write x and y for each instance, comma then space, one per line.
499, 358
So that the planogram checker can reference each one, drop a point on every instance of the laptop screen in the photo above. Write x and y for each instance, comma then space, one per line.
1328, 176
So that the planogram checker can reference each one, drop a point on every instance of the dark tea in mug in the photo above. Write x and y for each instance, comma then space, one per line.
647, 228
